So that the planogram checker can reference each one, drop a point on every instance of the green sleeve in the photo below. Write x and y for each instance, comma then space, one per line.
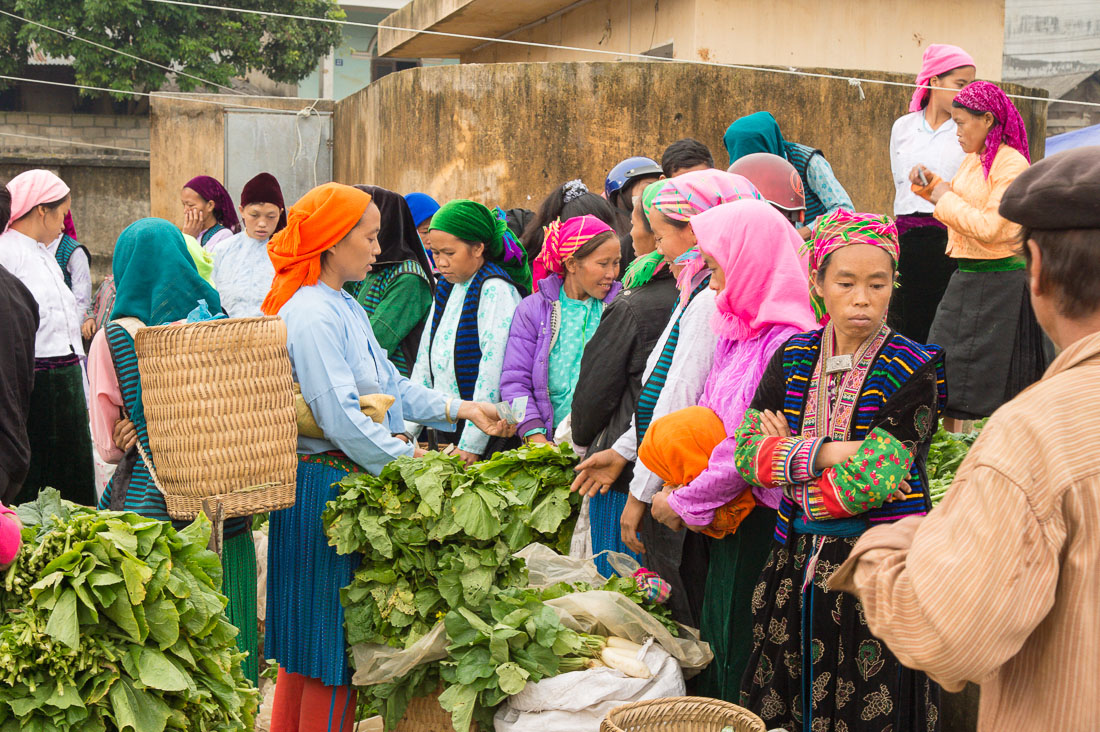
404, 305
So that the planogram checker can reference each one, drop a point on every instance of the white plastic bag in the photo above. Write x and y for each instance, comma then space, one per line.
375, 663
579, 700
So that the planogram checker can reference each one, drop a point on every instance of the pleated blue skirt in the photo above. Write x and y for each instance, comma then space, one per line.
604, 512
305, 620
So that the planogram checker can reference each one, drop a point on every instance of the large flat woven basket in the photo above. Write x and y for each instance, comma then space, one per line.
681, 714
425, 715
219, 404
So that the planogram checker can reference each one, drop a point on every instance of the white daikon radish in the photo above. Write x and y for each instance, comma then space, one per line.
623, 644
625, 662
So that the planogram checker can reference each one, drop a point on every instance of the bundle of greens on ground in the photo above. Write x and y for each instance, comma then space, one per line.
945, 455
111, 621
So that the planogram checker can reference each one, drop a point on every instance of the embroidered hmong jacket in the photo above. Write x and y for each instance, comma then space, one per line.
895, 413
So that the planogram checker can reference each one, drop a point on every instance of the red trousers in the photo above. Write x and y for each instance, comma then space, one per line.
303, 704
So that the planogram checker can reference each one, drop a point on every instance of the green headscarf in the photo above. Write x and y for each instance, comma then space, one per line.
754, 133
473, 222
642, 269
156, 280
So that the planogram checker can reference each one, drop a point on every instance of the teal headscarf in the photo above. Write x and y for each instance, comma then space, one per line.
473, 222
156, 280
754, 133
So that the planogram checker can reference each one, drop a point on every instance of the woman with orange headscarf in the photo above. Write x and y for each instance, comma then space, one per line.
331, 238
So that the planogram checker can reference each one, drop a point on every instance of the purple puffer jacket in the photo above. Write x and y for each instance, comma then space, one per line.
527, 358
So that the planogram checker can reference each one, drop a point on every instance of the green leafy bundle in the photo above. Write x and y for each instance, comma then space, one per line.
945, 455
624, 586
111, 621
435, 536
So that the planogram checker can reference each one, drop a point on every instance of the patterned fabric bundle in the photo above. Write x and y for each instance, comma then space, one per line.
562, 240
470, 221
841, 228
651, 585
677, 448
1008, 125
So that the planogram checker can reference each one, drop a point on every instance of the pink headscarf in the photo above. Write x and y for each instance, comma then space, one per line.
939, 58
1008, 125
32, 188
765, 280
690, 194
69, 229
562, 240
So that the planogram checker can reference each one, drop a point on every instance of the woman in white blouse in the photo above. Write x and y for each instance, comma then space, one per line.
925, 136
60, 441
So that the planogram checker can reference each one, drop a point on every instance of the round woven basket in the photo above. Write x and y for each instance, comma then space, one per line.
219, 404
682, 714
425, 715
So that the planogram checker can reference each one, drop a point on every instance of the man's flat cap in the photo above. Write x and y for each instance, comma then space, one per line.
1059, 192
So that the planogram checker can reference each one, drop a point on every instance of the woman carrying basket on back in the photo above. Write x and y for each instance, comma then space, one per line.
332, 238
156, 283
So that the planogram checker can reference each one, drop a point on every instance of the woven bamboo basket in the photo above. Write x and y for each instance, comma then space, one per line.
681, 714
219, 403
425, 715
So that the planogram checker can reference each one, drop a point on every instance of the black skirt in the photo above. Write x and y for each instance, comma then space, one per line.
995, 347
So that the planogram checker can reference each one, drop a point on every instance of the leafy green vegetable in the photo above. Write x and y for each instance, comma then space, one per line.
945, 455
112, 621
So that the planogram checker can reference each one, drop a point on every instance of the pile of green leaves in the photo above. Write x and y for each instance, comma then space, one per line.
435, 536
111, 621
945, 455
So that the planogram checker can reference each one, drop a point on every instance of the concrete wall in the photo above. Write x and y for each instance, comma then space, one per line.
98, 129
187, 138
888, 35
108, 195
507, 134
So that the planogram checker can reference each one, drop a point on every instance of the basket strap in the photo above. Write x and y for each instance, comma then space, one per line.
149, 466
132, 326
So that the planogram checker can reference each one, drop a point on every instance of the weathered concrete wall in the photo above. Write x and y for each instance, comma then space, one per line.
95, 129
108, 195
508, 133
886, 35
187, 138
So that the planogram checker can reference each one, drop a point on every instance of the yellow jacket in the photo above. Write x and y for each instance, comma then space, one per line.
969, 210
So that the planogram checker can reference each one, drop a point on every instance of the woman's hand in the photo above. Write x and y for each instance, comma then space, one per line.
87, 329
663, 512
539, 439
192, 222
630, 523
832, 454
125, 434
467, 457
774, 424
916, 173
901, 493
486, 418
598, 472
937, 193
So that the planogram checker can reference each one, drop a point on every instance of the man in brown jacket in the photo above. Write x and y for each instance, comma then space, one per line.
1000, 585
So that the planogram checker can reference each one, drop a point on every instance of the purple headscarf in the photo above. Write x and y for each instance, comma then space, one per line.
69, 228
1008, 125
211, 190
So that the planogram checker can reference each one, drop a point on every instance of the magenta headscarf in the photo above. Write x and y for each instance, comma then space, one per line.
939, 58
765, 280
32, 188
211, 190
69, 229
690, 194
1008, 125
562, 240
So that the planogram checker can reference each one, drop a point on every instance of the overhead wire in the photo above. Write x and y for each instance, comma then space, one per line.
789, 71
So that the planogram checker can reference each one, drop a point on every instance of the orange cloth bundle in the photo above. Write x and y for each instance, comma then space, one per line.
925, 192
677, 448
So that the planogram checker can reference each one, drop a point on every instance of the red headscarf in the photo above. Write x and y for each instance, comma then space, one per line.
319, 220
